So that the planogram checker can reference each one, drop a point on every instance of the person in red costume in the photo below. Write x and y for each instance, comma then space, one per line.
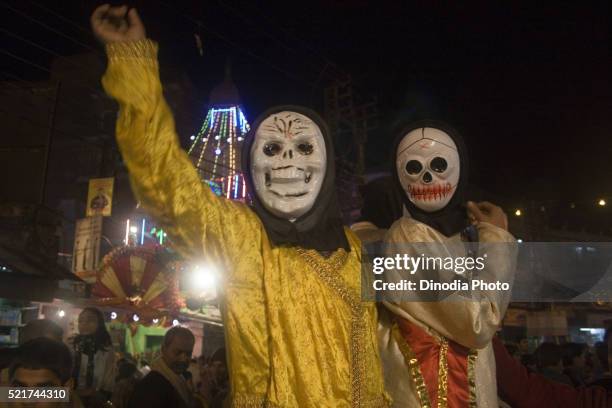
523, 389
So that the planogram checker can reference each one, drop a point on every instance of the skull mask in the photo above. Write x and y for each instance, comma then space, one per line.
427, 163
288, 161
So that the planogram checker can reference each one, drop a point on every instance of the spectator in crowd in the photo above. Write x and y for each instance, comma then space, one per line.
194, 371
605, 378
166, 384
94, 366
32, 330
6, 356
125, 382
574, 362
43, 362
521, 388
548, 357
214, 384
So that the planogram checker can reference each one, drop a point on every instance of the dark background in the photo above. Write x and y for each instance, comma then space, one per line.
527, 83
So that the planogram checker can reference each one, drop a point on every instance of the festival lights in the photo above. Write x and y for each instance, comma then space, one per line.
203, 277
216, 150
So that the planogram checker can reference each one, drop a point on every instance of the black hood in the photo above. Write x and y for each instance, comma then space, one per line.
382, 202
451, 219
321, 227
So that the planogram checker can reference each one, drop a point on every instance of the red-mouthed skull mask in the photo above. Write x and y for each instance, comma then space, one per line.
427, 163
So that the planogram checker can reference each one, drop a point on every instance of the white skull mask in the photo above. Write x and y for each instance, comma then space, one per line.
427, 163
288, 163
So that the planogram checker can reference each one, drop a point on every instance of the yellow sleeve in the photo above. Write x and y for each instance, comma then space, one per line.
162, 176
199, 223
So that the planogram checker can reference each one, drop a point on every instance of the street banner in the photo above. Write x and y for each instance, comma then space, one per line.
86, 256
100, 197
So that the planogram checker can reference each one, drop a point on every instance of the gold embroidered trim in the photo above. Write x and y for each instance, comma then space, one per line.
249, 401
252, 401
472, 377
377, 402
413, 364
443, 375
132, 49
328, 270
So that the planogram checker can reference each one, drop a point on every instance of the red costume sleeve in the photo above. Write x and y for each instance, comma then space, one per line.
522, 389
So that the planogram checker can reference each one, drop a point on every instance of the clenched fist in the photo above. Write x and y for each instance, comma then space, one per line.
487, 212
116, 24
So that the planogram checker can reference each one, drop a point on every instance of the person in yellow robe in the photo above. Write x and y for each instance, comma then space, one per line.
297, 332
437, 352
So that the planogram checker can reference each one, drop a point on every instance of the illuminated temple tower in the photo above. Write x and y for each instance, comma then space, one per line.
216, 148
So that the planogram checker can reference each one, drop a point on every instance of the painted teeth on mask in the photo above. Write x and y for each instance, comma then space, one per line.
288, 174
427, 193
268, 182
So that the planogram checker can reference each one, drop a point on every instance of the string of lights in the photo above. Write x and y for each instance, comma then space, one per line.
215, 150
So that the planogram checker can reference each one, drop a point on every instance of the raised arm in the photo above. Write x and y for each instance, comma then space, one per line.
162, 176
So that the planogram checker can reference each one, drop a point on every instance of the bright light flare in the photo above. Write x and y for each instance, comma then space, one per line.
203, 278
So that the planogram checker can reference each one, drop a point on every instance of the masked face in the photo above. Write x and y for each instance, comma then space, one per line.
427, 163
288, 161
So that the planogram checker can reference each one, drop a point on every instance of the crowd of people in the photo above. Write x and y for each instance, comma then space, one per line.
572, 364
98, 375
297, 330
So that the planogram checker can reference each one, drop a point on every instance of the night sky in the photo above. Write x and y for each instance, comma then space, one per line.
527, 84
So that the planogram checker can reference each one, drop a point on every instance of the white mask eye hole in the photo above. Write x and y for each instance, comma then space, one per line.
414, 167
305, 148
272, 149
438, 164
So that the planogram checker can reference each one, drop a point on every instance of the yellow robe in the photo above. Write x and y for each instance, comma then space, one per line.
297, 332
